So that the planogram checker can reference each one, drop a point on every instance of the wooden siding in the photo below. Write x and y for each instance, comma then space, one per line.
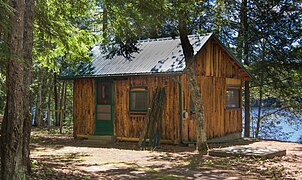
219, 121
129, 124
213, 94
233, 82
215, 70
213, 61
83, 107
233, 117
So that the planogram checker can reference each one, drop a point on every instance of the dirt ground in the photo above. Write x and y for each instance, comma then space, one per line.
62, 157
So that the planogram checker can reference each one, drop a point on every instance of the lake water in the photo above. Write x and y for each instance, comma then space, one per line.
281, 127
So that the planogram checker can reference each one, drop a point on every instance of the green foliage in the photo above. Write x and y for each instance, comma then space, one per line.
34, 164
63, 37
63, 32
274, 37
274, 42
276, 51
125, 22
5, 11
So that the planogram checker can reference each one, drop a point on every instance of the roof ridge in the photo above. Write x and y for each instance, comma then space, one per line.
170, 38
156, 39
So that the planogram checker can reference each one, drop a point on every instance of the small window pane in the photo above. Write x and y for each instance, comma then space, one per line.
233, 98
102, 116
104, 94
138, 101
104, 108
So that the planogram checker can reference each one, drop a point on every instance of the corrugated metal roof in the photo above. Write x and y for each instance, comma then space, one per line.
154, 56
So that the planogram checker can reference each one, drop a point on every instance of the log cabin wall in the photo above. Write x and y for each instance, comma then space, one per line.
129, 124
215, 71
83, 107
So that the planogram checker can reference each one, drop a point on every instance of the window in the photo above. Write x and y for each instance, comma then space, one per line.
233, 98
138, 100
103, 93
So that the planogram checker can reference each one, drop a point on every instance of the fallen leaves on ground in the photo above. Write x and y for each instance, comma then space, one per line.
62, 157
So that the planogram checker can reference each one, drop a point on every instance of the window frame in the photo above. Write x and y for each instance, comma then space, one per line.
134, 91
103, 92
233, 88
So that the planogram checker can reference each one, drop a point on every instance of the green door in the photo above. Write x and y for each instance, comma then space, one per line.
104, 108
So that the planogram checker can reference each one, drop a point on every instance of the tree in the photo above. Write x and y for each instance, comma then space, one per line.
276, 57
63, 35
132, 20
61, 38
243, 50
16, 125
268, 35
183, 11
232, 25
5, 11
191, 77
242, 24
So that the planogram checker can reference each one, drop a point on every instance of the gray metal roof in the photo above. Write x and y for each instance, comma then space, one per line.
155, 56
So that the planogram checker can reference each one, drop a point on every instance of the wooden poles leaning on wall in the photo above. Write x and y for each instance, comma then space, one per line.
153, 122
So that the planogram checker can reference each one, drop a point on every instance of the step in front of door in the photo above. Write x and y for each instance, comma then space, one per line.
99, 140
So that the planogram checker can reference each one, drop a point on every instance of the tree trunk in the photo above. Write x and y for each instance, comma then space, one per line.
48, 108
259, 109
64, 102
44, 95
196, 95
61, 105
27, 55
55, 90
62, 95
36, 112
105, 19
244, 39
12, 130
14, 160
39, 120
247, 109
195, 91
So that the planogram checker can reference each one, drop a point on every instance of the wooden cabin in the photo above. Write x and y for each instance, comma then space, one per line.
114, 95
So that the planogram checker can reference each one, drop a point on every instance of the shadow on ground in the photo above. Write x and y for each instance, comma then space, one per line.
192, 166
60, 141
172, 162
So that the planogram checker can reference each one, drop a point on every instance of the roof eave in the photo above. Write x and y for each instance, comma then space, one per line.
121, 75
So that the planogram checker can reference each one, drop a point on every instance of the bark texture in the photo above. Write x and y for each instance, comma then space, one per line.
27, 56
15, 161
12, 130
56, 98
244, 27
195, 92
259, 108
105, 19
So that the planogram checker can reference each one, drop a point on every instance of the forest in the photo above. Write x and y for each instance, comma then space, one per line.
41, 39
